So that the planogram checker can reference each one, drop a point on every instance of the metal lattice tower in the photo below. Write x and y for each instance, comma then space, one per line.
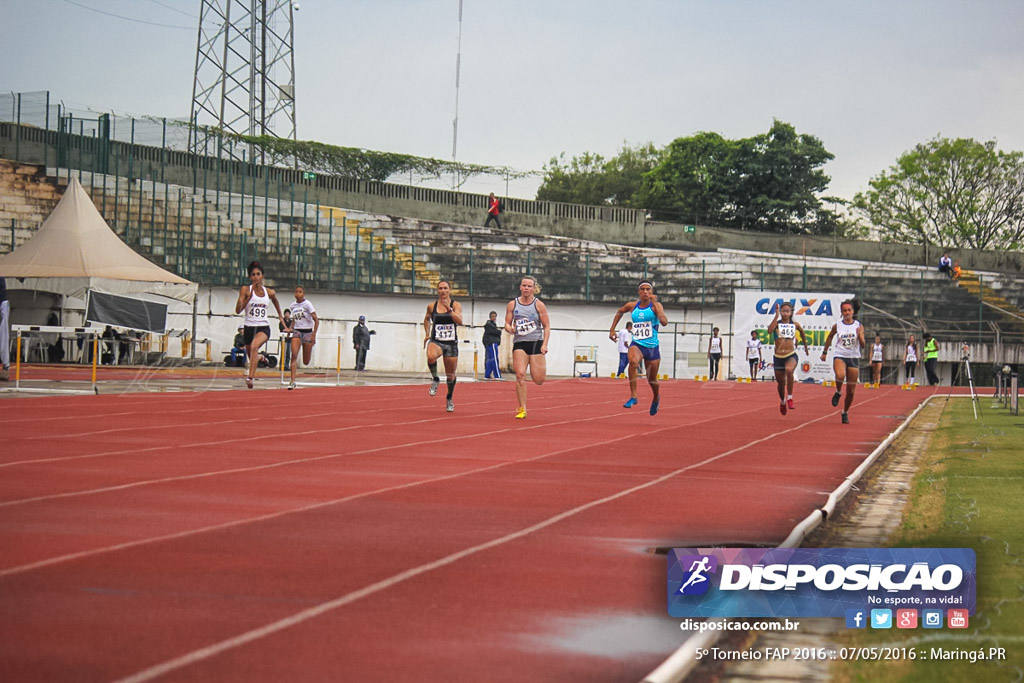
245, 68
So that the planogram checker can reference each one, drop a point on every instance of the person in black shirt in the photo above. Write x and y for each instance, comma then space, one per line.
491, 341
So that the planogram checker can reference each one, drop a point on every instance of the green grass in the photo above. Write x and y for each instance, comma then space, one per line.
969, 493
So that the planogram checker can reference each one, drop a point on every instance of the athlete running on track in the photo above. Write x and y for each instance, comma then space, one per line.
846, 359
785, 330
441, 339
255, 299
305, 324
526, 318
646, 314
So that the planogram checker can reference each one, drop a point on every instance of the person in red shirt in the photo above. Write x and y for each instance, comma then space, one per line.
493, 209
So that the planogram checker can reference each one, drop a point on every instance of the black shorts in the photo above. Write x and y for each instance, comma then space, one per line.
781, 362
250, 333
532, 348
448, 349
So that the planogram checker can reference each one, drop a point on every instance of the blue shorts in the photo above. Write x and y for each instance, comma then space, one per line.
780, 363
651, 353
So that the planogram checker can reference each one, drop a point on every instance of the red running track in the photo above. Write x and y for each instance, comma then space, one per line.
363, 534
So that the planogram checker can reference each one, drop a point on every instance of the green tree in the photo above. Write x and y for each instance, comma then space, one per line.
766, 182
953, 193
592, 179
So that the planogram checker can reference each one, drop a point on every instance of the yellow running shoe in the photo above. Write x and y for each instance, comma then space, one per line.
521, 414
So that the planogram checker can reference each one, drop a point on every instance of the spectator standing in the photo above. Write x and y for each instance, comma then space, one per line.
491, 341
714, 354
910, 361
284, 327
361, 343
493, 210
754, 354
931, 359
624, 338
5, 332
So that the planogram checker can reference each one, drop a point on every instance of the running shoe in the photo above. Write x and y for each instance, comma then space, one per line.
521, 414
835, 399
654, 407
782, 407
789, 404
291, 386
433, 387
450, 406
630, 403
248, 382
846, 419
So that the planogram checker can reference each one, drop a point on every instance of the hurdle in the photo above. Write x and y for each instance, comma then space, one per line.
286, 376
52, 329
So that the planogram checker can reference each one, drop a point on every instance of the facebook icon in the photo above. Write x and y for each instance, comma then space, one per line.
856, 618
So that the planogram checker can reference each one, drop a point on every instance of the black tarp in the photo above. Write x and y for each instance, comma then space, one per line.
122, 311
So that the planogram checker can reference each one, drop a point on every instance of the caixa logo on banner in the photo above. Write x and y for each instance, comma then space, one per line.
767, 306
823, 582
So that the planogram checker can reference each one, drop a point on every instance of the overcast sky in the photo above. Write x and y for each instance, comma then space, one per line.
870, 78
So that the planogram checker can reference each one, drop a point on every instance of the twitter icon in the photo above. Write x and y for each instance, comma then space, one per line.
881, 618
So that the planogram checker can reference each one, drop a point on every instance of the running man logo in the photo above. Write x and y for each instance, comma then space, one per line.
696, 581
766, 306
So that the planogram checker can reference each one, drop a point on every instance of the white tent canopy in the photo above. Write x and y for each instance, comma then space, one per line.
75, 251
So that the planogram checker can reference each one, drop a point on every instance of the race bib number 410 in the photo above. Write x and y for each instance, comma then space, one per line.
644, 330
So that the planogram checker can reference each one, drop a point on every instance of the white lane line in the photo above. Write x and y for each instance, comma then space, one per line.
299, 461
313, 612
314, 506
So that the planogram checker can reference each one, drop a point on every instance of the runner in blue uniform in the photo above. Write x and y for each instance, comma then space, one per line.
646, 314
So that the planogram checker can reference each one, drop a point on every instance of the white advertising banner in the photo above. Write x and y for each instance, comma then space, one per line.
815, 311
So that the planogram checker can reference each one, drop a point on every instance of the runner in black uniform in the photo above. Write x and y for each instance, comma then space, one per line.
440, 323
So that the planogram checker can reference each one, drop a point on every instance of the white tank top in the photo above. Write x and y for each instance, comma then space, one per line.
716, 345
911, 353
847, 343
257, 308
876, 353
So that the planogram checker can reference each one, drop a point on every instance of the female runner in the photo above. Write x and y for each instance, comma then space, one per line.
526, 318
877, 358
305, 323
714, 354
846, 359
441, 340
910, 361
254, 298
785, 330
646, 313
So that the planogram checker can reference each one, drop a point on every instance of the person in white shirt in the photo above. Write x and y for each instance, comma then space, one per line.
624, 338
877, 357
714, 354
849, 335
754, 354
303, 328
255, 299
910, 360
